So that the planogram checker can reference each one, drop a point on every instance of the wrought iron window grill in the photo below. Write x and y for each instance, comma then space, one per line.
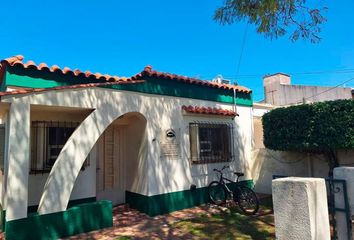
211, 142
47, 140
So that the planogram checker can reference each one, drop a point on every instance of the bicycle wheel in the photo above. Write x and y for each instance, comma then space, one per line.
247, 200
217, 193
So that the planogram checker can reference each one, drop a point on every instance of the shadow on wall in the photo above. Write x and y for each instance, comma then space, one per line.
267, 163
167, 175
346, 157
176, 175
163, 114
136, 152
242, 164
37, 179
62, 181
162, 176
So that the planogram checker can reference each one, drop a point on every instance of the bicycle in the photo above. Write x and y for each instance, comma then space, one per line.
245, 197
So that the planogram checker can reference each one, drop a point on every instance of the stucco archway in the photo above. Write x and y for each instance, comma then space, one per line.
64, 172
120, 158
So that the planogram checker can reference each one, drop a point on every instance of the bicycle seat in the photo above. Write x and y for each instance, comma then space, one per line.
239, 174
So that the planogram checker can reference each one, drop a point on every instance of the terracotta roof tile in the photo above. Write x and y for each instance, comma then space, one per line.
18, 61
44, 66
148, 72
87, 85
209, 111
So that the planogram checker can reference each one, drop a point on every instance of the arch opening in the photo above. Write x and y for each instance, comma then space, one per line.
120, 155
66, 170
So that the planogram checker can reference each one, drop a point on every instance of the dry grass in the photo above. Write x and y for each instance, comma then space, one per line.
230, 224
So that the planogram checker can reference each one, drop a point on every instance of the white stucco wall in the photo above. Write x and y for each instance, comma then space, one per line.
85, 185
3, 115
136, 152
156, 176
176, 175
280, 92
265, 163
291, 94
259, 112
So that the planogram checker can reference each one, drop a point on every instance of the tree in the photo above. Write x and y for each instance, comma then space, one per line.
323, 128
275, 18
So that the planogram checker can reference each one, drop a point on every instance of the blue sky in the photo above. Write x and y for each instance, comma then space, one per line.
121, 37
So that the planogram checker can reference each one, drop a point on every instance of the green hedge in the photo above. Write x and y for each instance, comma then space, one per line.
314, 127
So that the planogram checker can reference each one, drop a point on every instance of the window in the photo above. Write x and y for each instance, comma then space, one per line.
47, 141
57, 137
210, 142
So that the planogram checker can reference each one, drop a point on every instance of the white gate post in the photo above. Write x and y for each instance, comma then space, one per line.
347, 174
300, 208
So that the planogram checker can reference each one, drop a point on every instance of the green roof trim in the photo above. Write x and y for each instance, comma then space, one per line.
32, 78
30, 82
185, 90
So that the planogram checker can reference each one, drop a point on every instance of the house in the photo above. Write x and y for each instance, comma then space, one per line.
151, 140
279, 92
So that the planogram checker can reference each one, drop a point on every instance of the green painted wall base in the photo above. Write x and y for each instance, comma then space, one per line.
32, 210
81, 218
72, 203
169, 202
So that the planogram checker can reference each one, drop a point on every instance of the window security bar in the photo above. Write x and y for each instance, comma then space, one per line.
47, 140
211, 142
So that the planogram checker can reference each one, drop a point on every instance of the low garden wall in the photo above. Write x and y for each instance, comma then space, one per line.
81, 218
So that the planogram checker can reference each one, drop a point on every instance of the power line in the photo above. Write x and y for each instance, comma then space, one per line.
346, 81
242, 48
327, 90
320, 93
335, 71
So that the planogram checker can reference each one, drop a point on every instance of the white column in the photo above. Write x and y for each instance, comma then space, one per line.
347, 174
300, 209
18, 160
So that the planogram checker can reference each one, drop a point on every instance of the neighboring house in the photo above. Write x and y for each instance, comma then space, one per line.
151, 140
266, 163
279, 91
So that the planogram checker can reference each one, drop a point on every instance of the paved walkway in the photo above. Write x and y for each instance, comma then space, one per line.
129, 222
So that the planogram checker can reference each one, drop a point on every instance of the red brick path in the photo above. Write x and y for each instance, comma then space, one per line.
137, 225
140, 226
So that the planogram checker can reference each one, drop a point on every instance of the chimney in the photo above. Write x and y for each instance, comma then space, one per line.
277, 78
271, 84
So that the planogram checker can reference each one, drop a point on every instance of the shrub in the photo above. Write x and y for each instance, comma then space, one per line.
322, 127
